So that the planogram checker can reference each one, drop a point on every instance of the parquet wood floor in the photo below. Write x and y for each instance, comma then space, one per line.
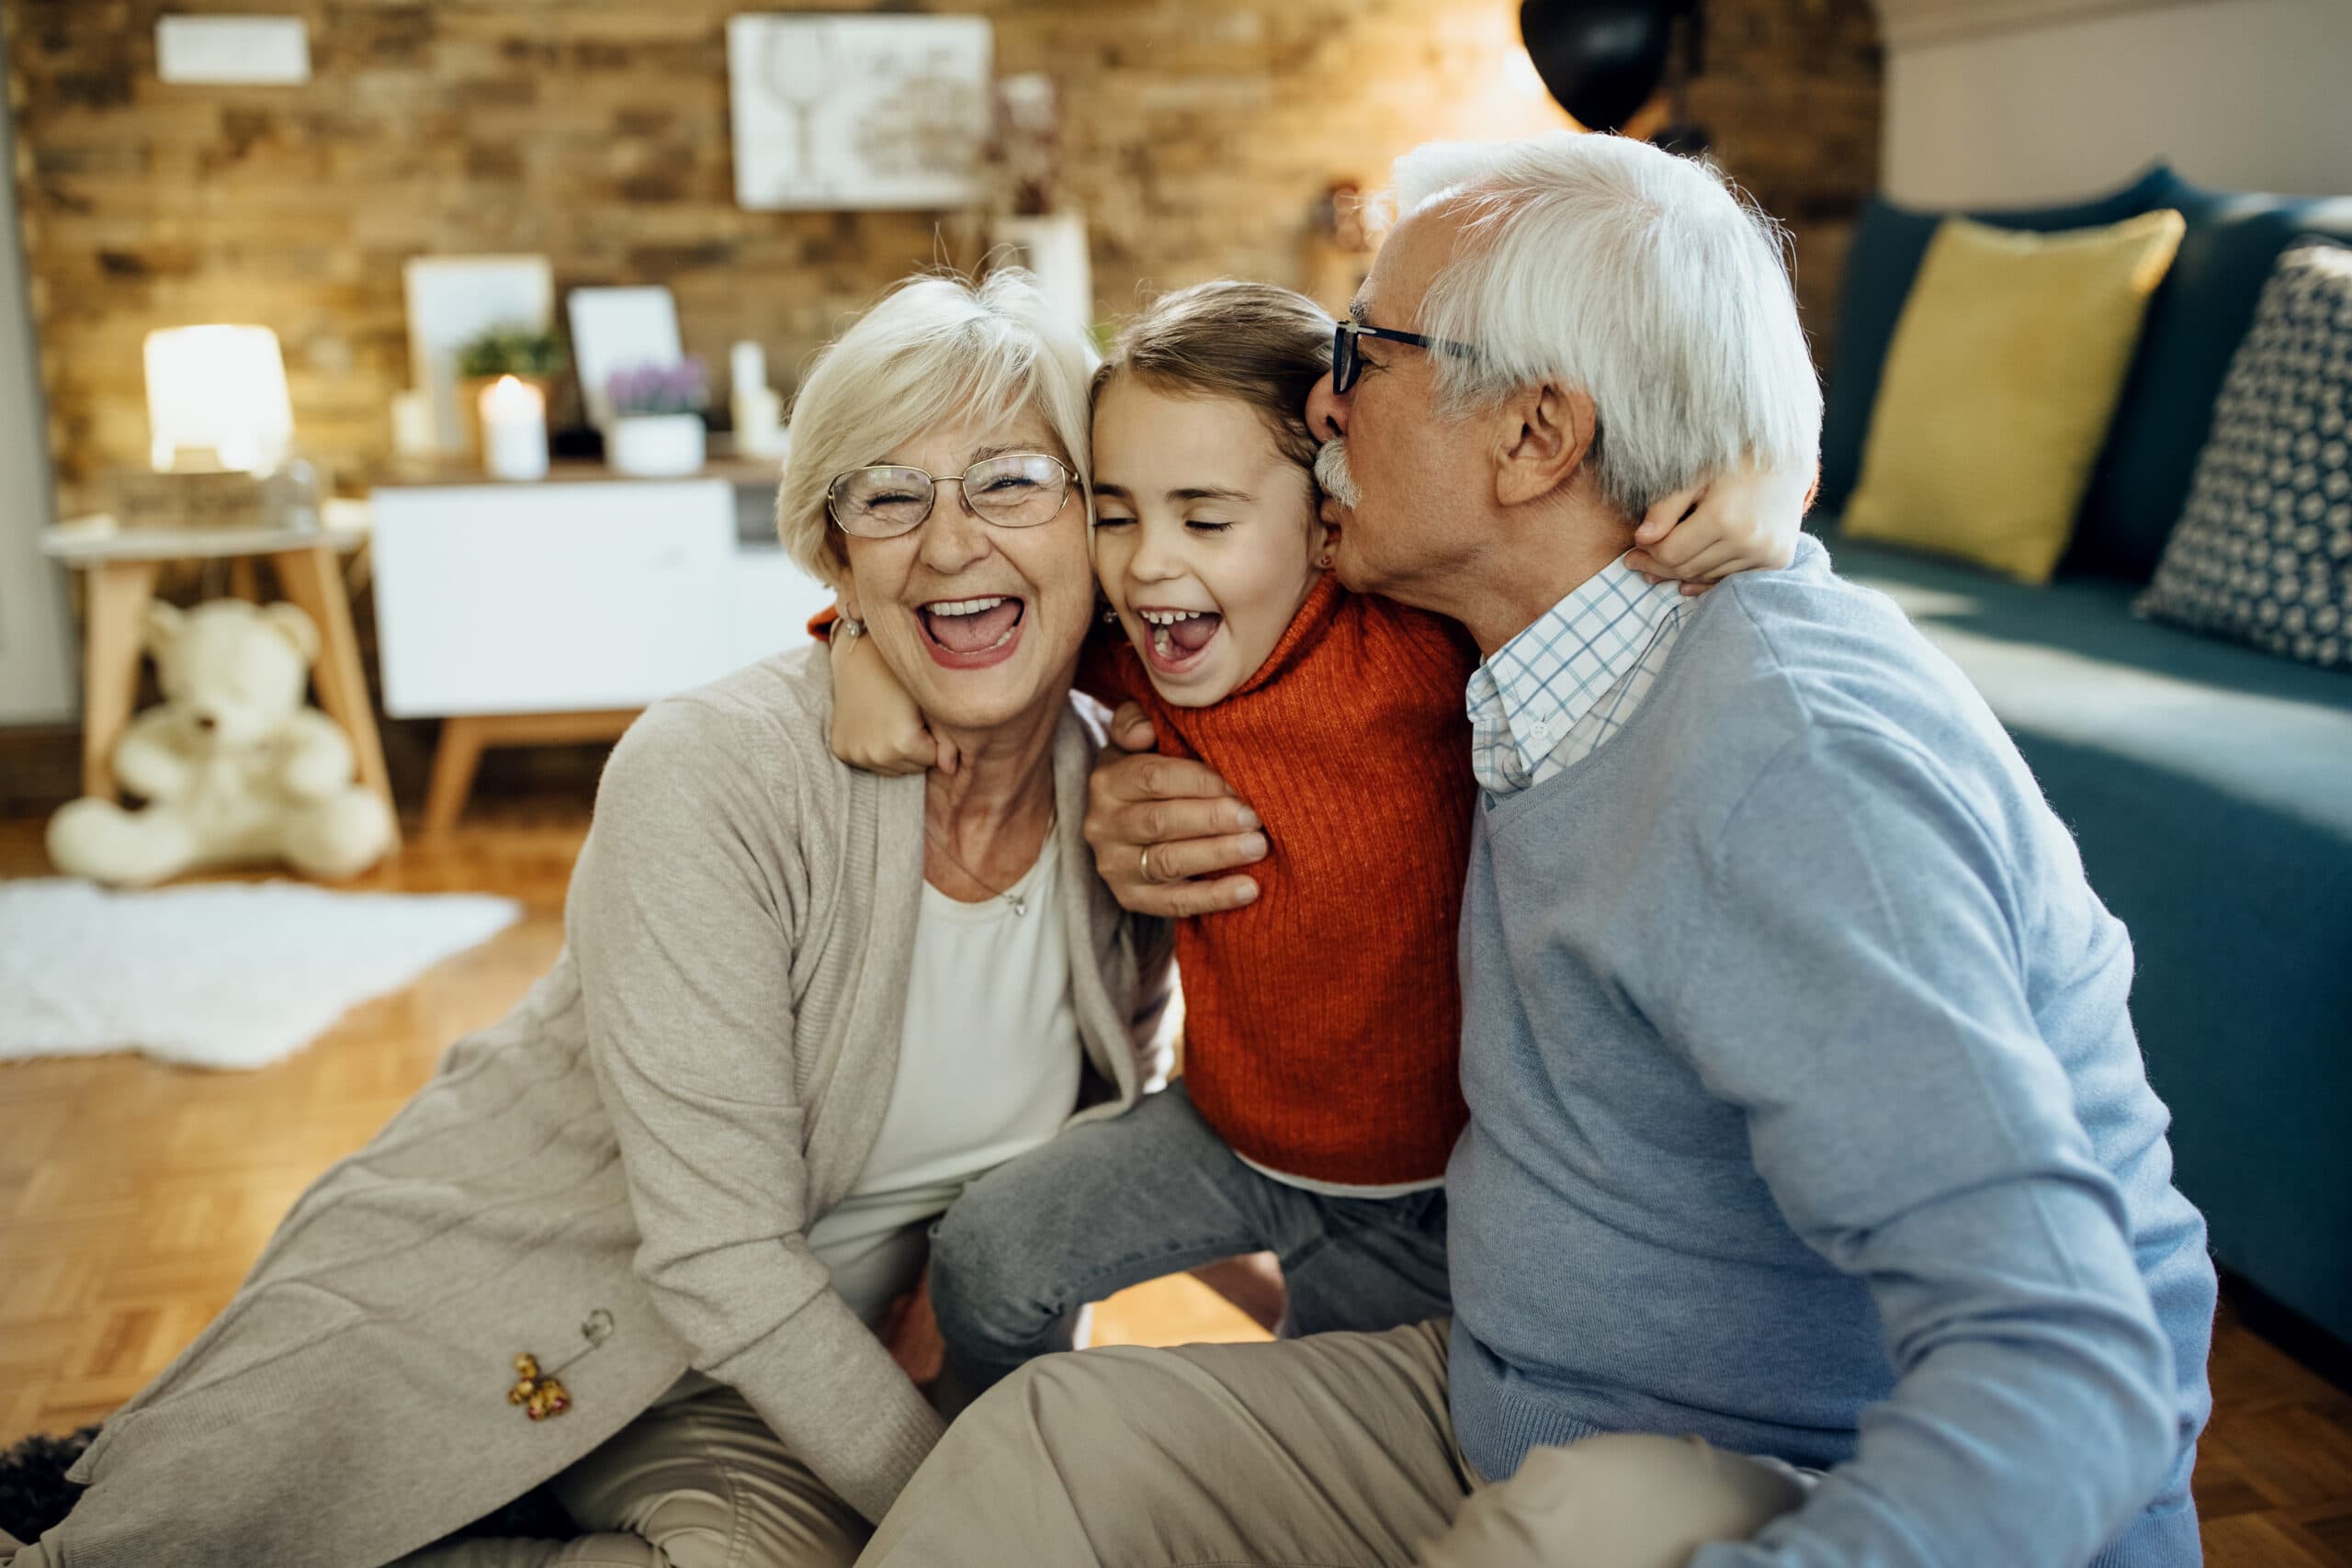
133, 1196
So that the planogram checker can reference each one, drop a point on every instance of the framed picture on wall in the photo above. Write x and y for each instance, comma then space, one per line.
833, 112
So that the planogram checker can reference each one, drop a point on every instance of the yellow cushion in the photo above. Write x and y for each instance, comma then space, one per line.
2003, 375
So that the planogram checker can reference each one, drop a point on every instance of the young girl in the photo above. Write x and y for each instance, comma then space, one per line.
1320, 1098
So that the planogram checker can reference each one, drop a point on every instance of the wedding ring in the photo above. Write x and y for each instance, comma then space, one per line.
1144, 864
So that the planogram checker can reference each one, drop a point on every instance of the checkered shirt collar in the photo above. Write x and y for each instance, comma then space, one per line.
1537, 685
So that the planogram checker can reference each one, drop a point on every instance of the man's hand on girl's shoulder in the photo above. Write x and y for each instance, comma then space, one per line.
1162, 829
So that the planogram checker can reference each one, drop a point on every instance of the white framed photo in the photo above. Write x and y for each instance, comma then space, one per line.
836, 112
619, 329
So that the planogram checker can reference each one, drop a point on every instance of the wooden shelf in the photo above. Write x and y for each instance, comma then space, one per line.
451, 472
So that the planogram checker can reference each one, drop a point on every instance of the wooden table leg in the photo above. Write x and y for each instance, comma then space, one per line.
119, 591
313, 578
464, 737
454, 760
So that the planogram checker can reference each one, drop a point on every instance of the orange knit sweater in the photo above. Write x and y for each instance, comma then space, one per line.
1322, 1023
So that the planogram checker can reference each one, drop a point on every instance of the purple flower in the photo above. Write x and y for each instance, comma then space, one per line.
680, 388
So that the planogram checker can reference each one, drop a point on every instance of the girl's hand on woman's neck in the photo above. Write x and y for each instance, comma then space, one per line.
993, 812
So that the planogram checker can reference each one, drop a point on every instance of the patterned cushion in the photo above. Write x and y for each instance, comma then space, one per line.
2263, 552
2195, 323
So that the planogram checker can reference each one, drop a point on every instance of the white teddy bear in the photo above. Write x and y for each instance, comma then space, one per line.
235, 767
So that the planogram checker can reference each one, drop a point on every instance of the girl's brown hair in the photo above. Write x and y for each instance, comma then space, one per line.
1264, 345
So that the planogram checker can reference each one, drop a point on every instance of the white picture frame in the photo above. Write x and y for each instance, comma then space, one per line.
454, 299
619, 329
878, 112
215, 51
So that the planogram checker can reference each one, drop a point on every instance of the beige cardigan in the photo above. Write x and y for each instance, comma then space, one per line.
651, 1133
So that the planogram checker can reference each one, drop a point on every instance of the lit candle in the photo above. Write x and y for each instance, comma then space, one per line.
513, 430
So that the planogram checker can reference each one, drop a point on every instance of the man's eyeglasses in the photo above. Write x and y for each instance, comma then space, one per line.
1347, 365
1019, 490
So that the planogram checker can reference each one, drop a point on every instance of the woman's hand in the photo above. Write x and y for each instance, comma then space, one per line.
1746, 520
877, 727
1179, 811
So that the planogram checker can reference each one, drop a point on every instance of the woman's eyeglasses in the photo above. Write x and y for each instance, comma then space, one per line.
1019, 490
1347, 365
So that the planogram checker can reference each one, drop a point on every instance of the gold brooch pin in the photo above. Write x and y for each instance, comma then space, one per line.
542, 1394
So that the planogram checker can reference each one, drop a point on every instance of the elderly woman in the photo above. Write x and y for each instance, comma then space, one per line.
799, 1008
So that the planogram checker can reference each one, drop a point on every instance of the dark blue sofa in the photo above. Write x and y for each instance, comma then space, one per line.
2209, 784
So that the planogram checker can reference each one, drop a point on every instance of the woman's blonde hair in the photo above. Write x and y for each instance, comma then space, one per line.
936, 351
1260, 345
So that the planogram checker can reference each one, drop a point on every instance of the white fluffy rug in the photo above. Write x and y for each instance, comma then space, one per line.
218, 974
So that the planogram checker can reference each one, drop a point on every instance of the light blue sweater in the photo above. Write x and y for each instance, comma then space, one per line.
1807, 1115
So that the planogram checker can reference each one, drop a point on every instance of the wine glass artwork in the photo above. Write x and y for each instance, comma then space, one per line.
800, 76
836, 112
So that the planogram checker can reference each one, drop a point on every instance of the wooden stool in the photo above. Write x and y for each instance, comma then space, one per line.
123, 568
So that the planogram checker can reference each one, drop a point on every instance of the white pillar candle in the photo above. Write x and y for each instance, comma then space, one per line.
513, 430
413, 434
759, 424
748, 367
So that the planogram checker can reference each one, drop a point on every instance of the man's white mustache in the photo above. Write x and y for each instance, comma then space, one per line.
1331, 471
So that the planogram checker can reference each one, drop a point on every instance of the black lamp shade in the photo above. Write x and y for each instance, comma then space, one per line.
1601, 59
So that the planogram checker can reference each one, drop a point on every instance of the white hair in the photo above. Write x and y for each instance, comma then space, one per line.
936, 351
1636, 277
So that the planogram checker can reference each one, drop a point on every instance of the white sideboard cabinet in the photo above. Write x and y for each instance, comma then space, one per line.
555, 610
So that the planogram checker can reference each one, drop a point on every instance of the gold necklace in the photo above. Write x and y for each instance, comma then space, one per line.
1020, 905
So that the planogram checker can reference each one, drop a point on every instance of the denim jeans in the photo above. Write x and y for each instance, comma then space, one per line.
1156, 1191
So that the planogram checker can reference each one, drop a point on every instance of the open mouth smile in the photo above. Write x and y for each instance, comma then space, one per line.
1177, 640
972, 634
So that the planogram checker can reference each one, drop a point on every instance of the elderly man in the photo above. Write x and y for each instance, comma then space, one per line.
1815, 1207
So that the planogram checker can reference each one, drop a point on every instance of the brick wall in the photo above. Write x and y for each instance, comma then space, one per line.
595, 131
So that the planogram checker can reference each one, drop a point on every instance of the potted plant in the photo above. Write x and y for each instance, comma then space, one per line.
657, 427
524, 353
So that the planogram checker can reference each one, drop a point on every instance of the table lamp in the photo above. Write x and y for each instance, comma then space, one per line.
216, 399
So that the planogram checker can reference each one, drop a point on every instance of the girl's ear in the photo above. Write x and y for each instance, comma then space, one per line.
1320, 536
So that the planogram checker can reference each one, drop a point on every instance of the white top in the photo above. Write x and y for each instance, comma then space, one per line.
1342, 1189
989, 1064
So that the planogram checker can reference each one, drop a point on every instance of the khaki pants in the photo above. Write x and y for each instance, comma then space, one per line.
696, 1482
1334, 1452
